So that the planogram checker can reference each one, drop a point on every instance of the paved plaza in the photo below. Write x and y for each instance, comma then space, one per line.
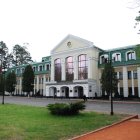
91, 105
124, 130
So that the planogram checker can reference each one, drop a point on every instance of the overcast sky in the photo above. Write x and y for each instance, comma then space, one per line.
42, 24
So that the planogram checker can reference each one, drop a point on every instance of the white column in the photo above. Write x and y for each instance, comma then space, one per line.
71, 91
47, 91
75, 68
20, 90
138, 76
34, 87
44, 84
118, 83
49, 66
100, 89
52, 70
132, 82
58, 93
37, 83
86, 90
90, 68
125, 82
63, 72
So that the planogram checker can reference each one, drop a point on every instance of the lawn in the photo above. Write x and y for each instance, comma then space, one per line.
18, 122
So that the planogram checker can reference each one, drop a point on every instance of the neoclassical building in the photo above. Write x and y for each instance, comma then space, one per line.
74, 68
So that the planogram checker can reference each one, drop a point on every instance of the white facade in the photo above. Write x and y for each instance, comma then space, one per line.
74, 46
77, 78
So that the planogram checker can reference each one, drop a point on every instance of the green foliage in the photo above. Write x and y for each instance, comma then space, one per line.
10, 82
4, 55
108, 75
3, 48
28, 79
18, 122
66, 109
20, 55
137, 50
137, 22
138, 17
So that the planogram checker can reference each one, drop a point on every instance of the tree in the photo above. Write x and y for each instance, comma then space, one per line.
137, 22
20, 55
10, 82
109, 79
28, 80
3, 56
137, 50
1, 84
136, 4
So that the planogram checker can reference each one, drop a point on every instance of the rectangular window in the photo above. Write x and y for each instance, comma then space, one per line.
116, 75
35, 80
135, 74
39, 80
47, 67
129, 74
120, 75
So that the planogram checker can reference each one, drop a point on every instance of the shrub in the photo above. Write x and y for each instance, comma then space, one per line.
66, 109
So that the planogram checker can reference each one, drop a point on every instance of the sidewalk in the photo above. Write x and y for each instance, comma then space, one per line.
128, 129
115, 101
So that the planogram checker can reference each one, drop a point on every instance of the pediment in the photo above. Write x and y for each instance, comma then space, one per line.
71, 42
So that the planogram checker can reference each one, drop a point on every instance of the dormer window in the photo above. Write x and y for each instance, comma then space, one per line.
130, 55
103, 59
22, 70
17, 71
116, 57
48, 67
34, 69
40, 68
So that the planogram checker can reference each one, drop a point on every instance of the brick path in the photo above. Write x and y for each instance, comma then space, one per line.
127, 130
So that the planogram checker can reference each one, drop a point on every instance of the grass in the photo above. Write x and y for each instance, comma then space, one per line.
18, 122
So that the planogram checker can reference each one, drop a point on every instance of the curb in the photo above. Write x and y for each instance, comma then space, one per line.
100, 129
123, 102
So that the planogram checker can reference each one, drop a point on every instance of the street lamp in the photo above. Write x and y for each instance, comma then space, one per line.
111, 98
111, 112
2, 57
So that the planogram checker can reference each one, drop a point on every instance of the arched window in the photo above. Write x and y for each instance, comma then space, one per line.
130, 55
69, 68
57, 66
116, 57
34, 68
40, 68
82, 67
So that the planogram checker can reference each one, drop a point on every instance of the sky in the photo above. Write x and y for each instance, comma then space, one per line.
42, 24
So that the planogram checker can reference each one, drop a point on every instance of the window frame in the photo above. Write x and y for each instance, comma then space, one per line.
82, 65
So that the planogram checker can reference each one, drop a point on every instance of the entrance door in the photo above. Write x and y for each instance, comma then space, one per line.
80, 92
67, 92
